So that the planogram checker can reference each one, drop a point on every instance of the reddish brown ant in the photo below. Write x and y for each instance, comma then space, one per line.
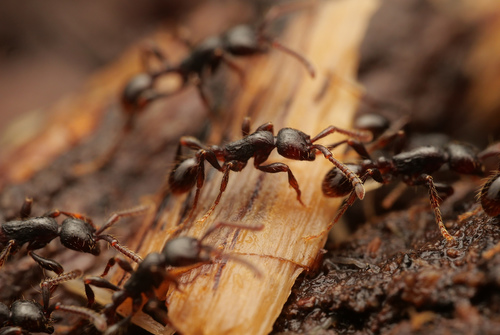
415, 167
77, 232
290, 143
204, 59
25, 316
152, 271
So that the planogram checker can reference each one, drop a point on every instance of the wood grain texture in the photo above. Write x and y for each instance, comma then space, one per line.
226, 297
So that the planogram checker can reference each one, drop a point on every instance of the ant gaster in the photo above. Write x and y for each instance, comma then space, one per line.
152, 271
489, 195
415, 167
77, 232
204, 59
25, 316
290, 143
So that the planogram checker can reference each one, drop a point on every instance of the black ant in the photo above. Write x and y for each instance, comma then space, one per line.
205, 58
415, 167
290, 143
489, 195
25, 316
77, 232
152, 271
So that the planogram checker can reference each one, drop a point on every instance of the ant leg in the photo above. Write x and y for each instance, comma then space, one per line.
47, 263
356, 145
155, 309
151, 51
196, 80
6, 251
282, 9
122, 214
362, 135
435, 200
97, 282
12, 330
309, 67
226, 169
106, 158
97, 319
121, 248
444, 191
272, 15
25, 211
225, 179
49, 285
233, 66
227, 224
353, 178
375, 174
124, 265
245, 126
281, 167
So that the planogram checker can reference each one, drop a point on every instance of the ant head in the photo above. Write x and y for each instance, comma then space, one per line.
79, 235
183, 176
29, 315
185, 251
490, 196
294, 144
336, 184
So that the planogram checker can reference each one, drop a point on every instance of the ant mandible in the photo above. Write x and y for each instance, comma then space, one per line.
76, 232
25, 316
152, 271
415, 167
204, 59
290, 143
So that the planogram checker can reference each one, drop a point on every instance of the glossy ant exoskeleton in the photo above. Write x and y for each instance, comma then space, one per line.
76, 232
152, 271
204, 59
290, 143
25, 316
415, 167
490, 195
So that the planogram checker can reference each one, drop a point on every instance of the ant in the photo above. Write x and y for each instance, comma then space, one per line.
25, 316
205, 58
290, 143
152, 271
490, 192
414, 166
490, 195
77, 232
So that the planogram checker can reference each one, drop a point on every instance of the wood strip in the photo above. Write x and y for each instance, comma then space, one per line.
239, 302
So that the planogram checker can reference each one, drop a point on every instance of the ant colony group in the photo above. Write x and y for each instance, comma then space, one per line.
412, 166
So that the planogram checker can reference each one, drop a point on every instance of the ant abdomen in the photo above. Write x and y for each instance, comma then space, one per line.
336, 184
490, 196
184, 176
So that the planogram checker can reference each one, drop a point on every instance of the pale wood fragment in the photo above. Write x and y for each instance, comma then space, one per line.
277, 90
